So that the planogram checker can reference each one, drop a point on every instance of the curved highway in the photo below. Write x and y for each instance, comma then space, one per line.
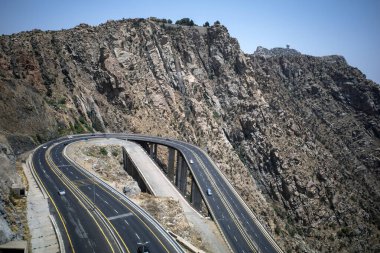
93, 217
237, 223
116, 226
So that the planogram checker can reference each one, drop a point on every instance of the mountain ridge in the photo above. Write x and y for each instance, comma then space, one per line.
293, 133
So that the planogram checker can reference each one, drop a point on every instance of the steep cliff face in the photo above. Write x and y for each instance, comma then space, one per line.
298, 136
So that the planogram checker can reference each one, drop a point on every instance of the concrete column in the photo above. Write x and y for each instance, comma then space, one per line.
178, 169
183, 178
145, 146
196, 197
171, 163
124, 159
153, 151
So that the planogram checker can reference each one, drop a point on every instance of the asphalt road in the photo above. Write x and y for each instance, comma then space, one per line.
117, 226
112, 224
237, 223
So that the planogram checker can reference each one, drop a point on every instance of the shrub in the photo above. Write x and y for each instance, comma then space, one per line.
185, 21
103, 151
207, 24
78, 128
277, 230
216, 115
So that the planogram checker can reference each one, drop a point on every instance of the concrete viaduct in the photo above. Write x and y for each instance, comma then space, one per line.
176, 169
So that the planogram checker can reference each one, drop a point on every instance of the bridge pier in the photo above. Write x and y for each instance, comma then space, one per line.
181, 174
178, 169
145, 146
171, 156
153, 151
183, 178
196, 197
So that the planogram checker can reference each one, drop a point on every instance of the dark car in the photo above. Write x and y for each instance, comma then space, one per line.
143, 249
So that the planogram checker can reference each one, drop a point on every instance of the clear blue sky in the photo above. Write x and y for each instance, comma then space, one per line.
317, 27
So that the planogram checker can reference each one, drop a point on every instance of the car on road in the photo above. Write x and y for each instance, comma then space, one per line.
61, 192
191, 161
209, 192
143, 249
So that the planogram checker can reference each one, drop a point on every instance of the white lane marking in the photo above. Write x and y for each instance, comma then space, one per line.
71, 172
217, 206
228, 226
108, 204
120, 216
89, 187
126, 222
235, 238
138, 237
113, 209
97, 195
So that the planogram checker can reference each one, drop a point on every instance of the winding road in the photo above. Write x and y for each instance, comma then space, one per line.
115, 224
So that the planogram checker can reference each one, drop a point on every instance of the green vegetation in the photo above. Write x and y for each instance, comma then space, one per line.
290, 230
114, 153
78, 128
103, 151
185, 21
216, 115
217, 22
207, 24
56, 103
345, 232
277, 230
161, 20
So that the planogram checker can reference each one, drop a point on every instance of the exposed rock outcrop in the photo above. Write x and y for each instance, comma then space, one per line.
11, 226
297, 135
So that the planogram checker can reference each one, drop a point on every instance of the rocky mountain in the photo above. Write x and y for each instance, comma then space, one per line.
297, 135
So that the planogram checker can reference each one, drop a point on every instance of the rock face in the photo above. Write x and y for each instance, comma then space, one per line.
298, 136
11, 226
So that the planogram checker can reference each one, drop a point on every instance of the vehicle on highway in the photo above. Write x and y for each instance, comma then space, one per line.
209, 192
143, 248
61, 192
44, 147
191, 161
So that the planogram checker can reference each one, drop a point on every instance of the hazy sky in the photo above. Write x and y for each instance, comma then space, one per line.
317, 27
